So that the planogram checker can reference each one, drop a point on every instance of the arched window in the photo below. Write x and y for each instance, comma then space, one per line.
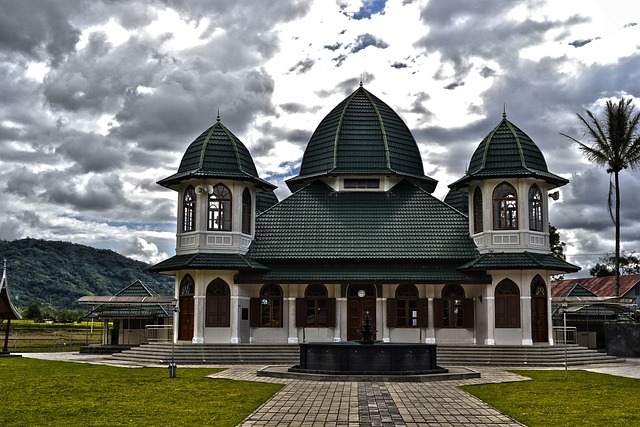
220, 209
535, 208
453, 306
187, 285
477, 210
407, 306
507, 297
505, 207
218, 304
316, 305
189, 210
246, 211
271, 306
538, 287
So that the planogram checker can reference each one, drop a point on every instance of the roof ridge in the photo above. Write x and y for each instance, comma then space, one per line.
235, 147
511, 127
385, 141
203, 150
489, 138
336, 138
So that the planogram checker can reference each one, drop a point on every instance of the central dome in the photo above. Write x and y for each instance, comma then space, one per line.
362, 136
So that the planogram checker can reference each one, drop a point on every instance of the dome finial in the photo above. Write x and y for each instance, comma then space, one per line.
361, 80
504, 110
218, 117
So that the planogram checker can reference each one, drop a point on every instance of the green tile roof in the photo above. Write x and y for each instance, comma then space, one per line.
217, 153
264, 200
458, 200
373, 271
507, 152
519, 261
123, 311
362, 136
403, 223
206, 261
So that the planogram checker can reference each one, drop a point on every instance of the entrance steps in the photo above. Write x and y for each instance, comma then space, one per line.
535, 355
288, 354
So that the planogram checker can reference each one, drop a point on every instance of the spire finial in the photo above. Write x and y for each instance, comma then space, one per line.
218, 117
504, 110
361, 80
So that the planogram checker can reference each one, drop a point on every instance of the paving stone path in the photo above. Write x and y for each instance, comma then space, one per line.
359, 404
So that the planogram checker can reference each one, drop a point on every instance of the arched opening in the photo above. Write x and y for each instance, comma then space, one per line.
535, 208
505, 207
477, 211
185, 316
219, 217
246, 211
360, 298
270, 311
189, 210
507, 298
539, 313
218, 304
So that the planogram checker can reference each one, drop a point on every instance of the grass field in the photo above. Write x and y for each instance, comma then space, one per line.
47, 393
585, 399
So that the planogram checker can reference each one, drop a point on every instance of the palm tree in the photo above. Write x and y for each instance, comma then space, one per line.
615, 144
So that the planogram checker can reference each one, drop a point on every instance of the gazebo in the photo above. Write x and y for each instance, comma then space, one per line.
8, 311
133, 311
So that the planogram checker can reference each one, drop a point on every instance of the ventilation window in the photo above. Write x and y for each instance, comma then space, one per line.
361, 183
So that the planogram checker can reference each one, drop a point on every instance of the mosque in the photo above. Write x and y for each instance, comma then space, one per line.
362, 232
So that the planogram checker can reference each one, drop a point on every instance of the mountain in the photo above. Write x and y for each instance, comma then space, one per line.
55, 274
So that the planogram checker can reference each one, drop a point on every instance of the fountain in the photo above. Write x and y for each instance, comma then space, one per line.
368, 357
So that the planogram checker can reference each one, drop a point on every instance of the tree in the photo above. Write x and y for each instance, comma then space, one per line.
556, 248
629, 264
614, 144
33, 312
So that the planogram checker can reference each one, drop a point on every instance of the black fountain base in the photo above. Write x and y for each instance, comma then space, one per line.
377, 358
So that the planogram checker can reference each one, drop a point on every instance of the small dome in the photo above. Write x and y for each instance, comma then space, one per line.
507, 152
217, 153
362, 136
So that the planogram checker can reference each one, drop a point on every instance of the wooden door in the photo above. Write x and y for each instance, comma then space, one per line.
185, 331
539, 325
356, 306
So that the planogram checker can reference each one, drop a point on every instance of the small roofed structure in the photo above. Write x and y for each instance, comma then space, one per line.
8, 311
590, 303
134, 311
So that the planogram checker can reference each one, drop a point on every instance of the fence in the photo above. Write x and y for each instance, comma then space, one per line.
558, 335
31, 340
159, 333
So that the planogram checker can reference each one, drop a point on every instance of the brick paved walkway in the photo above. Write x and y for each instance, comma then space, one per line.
357, 404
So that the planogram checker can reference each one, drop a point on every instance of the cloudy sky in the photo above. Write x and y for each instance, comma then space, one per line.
100, 98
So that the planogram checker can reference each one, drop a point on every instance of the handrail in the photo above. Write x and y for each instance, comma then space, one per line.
558, 334
159, 333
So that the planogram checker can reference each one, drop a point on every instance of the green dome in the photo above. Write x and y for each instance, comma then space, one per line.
507, 152
362, 136
217, 153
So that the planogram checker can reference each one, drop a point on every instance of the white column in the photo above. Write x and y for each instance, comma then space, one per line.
290, 309
430, 336
198, 319
491, 318
525, 318
234, 313
341, 312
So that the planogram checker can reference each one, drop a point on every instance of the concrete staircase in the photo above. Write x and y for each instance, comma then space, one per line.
288, 354
536, 355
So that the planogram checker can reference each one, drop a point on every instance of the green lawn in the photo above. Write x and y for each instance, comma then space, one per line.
47, 393
585, 399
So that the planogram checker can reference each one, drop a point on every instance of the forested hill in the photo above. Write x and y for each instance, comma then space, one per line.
55, 274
